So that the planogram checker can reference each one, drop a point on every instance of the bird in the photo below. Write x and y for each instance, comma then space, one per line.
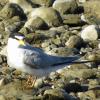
33, 60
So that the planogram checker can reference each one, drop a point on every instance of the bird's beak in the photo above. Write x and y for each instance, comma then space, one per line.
22, 42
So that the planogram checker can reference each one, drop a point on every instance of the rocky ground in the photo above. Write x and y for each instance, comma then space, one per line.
59, 27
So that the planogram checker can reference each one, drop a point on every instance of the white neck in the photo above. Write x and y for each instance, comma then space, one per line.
12, 43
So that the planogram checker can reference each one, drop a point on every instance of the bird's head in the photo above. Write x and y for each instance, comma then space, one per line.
17, 38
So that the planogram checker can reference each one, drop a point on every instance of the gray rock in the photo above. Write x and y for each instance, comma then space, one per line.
35, 23
49, 15
90, 33
65, 6
74, 42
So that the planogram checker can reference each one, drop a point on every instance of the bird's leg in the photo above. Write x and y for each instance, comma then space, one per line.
30, 82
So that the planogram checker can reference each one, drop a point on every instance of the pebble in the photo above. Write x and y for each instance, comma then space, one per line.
2, 82
90, 33
74, 42
39, 83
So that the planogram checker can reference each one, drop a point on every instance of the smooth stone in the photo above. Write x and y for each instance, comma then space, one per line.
90, 33
65, 6
49, 15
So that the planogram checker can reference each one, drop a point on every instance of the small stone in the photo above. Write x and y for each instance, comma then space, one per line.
54, 75
2, 82
39, 83
90, 33
74, 42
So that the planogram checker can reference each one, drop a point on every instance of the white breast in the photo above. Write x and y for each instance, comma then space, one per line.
14, 55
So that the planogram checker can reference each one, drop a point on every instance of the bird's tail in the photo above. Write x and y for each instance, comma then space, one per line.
70, 60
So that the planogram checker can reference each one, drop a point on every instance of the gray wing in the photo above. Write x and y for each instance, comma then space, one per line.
35, 59
38, 59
